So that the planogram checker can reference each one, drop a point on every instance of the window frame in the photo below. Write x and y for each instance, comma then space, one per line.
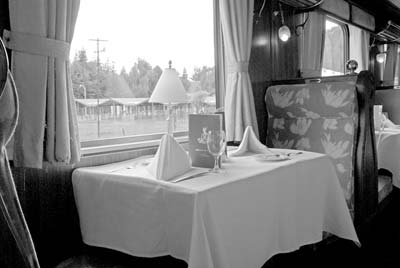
103, 146
126, 143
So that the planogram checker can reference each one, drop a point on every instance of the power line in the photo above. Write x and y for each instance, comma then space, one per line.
98, 51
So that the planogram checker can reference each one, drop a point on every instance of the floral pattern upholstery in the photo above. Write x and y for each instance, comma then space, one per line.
320, 118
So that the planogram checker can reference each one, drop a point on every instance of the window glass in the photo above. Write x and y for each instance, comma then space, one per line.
119, 51
334, 58
397, 69
357, 48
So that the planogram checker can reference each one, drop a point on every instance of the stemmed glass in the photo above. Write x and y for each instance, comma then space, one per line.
216, 146
383, 117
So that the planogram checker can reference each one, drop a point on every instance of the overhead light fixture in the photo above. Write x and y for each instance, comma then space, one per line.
284, 31
381, 57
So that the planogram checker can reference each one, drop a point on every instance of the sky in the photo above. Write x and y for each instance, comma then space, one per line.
154, 30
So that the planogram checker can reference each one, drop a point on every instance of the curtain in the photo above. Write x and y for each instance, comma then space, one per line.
390, 65
359, 47
365, 40
311, 45
237, 30
40, 37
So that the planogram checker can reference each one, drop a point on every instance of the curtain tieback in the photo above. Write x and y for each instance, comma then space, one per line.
239, 67
33, 44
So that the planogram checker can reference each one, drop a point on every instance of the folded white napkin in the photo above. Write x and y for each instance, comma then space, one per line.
170, 161
378, 117
388, 123
250, 143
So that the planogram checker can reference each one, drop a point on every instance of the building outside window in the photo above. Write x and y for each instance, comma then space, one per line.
119, 51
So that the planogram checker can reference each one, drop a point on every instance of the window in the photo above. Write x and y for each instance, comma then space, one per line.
335, 48
119, 51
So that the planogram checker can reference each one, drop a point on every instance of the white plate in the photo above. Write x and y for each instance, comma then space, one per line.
272, 157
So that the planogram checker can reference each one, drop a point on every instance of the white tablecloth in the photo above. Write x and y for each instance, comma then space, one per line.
388, 152
239, 218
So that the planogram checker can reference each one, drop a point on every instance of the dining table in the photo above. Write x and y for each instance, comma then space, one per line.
254, 208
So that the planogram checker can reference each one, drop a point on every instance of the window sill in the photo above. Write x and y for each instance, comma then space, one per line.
123, 144
90, 151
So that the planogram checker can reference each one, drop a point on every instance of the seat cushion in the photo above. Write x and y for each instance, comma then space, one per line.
385, 186
317, 117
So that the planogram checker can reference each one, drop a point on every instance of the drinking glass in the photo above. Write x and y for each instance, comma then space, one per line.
216, 146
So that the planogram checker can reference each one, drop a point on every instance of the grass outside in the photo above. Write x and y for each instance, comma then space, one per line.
110, 128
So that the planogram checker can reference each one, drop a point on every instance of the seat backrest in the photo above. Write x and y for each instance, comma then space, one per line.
334, 117
320, 118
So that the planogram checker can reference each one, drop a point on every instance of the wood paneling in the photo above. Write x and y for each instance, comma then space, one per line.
270, 59
47, 201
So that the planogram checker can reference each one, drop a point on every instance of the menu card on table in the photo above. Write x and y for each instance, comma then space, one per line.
199, 126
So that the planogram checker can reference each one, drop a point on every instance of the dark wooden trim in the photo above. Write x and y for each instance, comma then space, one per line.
394, 87
317, 79
365, 170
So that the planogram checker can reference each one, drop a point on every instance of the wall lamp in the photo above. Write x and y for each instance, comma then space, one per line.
284, 31
381, 57
298, 6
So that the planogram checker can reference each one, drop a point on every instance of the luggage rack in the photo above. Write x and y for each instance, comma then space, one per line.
302, 5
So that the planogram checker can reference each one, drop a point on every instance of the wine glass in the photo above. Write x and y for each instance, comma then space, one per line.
216, 146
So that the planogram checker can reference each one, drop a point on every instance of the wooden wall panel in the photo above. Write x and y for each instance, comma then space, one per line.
47, 201
270, 59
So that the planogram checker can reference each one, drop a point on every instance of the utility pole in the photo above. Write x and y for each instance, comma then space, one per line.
97, 40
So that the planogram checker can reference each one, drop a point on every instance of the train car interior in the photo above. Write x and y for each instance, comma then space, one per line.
199, 133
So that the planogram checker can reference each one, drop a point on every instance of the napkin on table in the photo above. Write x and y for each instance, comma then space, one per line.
388, 123
250, 143
170, 161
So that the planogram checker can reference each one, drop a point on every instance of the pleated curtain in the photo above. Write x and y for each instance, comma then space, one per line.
359, 47
237, 29
390, 64
40, 37
311, 45
365, 36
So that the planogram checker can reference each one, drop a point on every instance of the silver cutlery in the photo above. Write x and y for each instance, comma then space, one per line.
294, 153
278, 154
190, 176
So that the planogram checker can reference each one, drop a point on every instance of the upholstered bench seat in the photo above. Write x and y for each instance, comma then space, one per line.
320, 118
334, 117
